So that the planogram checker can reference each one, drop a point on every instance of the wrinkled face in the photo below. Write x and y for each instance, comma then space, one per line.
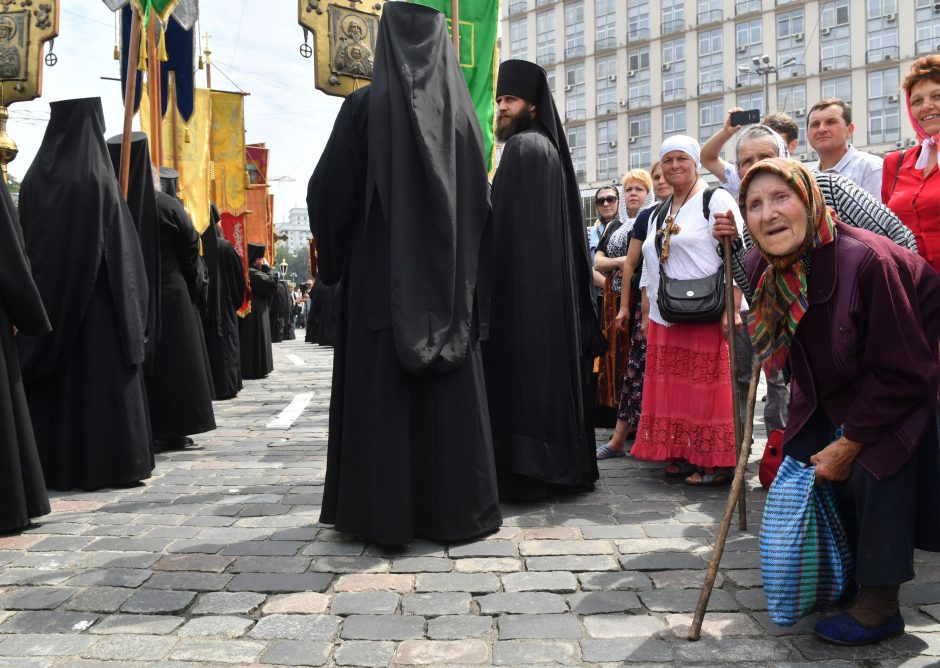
661, 188
634, 194
925, 105
607, 202
309, 284
678, 169
752, 151
776, 217
513, 115
827, 130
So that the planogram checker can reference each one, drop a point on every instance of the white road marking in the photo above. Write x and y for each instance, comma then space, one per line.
295, 360
287, 416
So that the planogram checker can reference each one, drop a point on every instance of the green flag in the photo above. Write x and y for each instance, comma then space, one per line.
478, 19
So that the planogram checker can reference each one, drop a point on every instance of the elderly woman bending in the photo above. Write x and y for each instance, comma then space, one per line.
857, 321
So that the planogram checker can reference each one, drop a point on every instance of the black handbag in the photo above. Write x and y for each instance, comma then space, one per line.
693, 300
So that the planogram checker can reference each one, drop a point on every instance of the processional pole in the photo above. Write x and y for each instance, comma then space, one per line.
156, 94
130, 88
455, 26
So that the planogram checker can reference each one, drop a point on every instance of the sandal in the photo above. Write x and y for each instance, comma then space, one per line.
607, 452
717, 478
680, 469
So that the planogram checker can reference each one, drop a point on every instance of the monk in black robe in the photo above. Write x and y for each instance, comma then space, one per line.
22, 486
226, 292
179, 386
400, 210
275, 311
545, 334
254, 330
286, 295
324, 313
84, 381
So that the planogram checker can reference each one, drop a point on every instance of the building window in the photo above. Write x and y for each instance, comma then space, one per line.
575, 109
748, 44
711, 117
882, 31
577, 142
545, 37
550, 77
518, 40
709, 11
674, 69
517, 6
639, 141
751, 100
791, 44
638, 85
834, 14
607, 150
638, 19
605, 24
673, 121
710, 62
927, 21
606, 84
792, 100
883, 106
574, 29
673, 16
746, 6
539, 3
840, 87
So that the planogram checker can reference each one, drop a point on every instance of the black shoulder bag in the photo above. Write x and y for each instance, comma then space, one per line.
694, 300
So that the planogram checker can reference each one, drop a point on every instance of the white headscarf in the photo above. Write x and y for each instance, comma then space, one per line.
749, 133
684, 143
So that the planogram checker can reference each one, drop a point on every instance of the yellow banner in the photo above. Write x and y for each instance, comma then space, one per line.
186, 149
228, 141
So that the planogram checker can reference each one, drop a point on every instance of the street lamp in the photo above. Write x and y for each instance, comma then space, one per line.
283, 267
761, 65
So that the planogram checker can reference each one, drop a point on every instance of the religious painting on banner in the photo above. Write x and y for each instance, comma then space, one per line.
233, 229
228, 143
344, 34
478, 59
258, 223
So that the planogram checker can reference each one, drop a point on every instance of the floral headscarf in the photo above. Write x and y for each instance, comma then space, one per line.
780, 300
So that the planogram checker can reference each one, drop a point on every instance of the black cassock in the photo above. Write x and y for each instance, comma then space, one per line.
254, 330
410, 452
324, 313
22, 487
226, 291
285, 311
544, 332
84, 380
276, 312
179, 385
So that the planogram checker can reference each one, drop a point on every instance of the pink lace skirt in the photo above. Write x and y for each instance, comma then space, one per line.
687, 411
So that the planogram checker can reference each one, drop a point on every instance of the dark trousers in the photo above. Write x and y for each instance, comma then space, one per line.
880, 516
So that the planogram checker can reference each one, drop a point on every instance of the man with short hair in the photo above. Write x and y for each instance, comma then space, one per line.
726, 172
543, 332
829, 129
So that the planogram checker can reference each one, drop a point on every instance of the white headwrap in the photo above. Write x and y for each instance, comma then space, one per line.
684, 143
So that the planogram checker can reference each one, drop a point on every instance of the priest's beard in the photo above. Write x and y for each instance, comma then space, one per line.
517, 123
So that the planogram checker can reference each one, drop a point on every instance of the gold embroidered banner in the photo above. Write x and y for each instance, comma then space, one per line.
228, 142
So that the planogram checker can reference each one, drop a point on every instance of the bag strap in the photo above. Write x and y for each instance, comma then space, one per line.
707, 199
897, 171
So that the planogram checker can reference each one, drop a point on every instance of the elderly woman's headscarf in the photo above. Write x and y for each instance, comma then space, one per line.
780, 300
684, 143
760, 132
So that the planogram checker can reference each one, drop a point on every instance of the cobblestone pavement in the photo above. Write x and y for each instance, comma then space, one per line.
219, 561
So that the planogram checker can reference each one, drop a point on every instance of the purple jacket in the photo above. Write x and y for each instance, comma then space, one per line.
868, 348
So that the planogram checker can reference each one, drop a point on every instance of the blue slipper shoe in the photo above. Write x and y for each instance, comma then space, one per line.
845, 630
607, 452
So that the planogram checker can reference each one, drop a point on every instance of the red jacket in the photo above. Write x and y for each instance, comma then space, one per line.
915, 199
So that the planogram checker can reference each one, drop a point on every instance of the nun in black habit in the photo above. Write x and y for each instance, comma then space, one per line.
254, 330
179, 386
544, 337
22, 487
409, 453
84, 381
226, 291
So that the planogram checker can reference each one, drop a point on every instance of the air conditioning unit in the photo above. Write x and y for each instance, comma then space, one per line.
567, 88
804, 157
912, 142
612, 144
667, 67
612, 77
826, 68
798, 37
889, 56
893, 98
799, 113
891, 17
622, 103
631, 140
631, 73
742, 49
739, 84
828, 31
813, 155
899, 144
936, 7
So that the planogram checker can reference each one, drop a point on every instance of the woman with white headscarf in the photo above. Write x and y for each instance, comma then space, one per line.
687, 418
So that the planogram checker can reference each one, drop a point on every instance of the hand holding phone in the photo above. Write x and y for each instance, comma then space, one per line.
748, 117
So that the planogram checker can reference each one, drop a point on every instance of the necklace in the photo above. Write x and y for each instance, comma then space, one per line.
670, 228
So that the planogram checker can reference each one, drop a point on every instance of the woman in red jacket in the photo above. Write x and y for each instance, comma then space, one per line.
910, 185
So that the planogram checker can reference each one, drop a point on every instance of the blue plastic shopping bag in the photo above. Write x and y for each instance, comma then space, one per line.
804, 552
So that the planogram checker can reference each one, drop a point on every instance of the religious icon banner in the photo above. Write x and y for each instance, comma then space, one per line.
228, 142
233, 229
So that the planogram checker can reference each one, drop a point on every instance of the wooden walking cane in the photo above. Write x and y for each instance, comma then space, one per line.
732, 354
737, 490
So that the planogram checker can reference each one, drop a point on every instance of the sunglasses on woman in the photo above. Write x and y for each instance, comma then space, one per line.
610, 199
